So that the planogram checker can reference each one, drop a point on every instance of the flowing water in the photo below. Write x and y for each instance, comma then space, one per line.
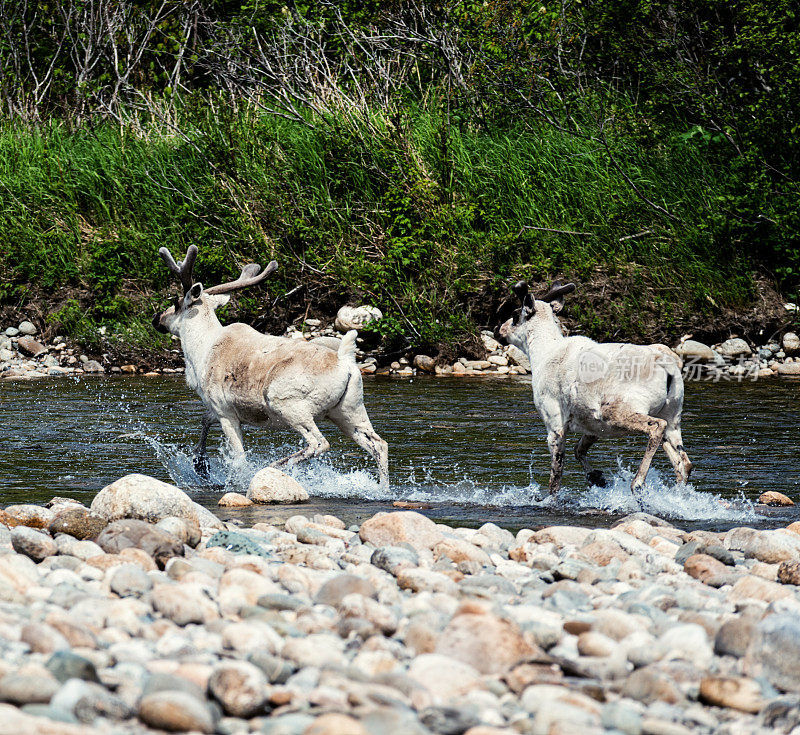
473, 449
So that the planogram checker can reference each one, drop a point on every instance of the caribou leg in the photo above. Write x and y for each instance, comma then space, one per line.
555, 442
316, 443
199, 457
359, 429
594, 477
634, 422
232, 430
673, 446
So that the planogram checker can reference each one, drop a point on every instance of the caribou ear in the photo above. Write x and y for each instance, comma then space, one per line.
216, 301
556, 293
195, 291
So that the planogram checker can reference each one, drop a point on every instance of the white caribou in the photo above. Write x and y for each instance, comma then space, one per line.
245, 377
599, 390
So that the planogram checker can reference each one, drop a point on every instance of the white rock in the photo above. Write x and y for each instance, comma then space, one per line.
692, 349
791, 343
735, 348
356, 317
143, 497
270, 485
444, 677
27, 328
489, 342
184, 603
518, 357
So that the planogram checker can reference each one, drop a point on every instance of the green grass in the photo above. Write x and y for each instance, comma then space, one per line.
418, 217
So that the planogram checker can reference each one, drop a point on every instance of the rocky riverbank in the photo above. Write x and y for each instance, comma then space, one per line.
146, 613
22, 356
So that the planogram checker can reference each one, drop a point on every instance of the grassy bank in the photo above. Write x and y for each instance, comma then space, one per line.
427, 218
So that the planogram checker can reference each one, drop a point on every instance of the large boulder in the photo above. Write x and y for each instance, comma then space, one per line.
356, 317
733, 348
771, 547
270, 485
691, 349
130, 532
401, 527
148, 499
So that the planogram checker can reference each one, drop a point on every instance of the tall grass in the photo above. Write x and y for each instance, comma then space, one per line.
417, 215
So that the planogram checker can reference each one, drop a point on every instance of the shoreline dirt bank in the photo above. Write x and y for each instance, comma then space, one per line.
23, 356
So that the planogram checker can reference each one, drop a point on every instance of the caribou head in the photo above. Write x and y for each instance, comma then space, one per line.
197, 301
536, 315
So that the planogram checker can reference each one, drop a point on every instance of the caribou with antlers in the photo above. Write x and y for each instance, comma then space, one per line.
245, 377
600, 390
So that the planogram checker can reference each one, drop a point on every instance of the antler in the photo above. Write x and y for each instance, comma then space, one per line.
182, 270
521, 290
251, 275
557, 290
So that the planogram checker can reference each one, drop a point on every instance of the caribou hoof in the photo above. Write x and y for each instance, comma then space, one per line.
635, 491
200, 464
596, 477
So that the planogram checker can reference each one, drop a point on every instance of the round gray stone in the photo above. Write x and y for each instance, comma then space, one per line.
130, 580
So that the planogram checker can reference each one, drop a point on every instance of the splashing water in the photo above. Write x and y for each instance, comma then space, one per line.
472, 452
323, 479
660, 498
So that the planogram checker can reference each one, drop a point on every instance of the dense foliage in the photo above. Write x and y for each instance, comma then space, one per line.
418, 155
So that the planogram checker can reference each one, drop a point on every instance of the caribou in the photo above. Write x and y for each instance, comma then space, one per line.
600, 390
245, 377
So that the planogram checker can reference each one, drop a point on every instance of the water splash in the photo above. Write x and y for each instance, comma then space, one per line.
323, 479
666, 500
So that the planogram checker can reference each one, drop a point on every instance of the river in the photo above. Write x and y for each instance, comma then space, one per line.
471, 448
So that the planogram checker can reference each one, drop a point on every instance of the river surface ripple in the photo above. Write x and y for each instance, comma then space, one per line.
472, 448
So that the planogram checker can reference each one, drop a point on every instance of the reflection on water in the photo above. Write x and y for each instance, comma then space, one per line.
472, 448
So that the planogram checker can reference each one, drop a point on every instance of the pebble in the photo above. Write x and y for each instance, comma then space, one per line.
78, 522
184, 603
399, 625
239, 687
234, 500
737, 693
22, 689
774, 651
129, 580
401, 527
33, 544
133, 533
175, 711
237, 543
